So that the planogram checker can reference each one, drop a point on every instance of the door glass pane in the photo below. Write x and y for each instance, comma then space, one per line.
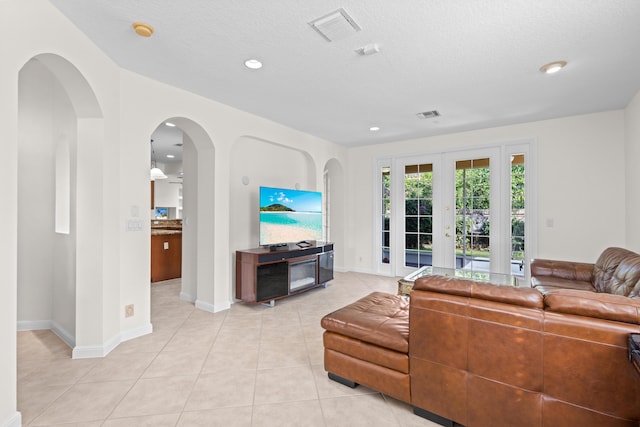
418, 194
473, 214
517, 214
386, 213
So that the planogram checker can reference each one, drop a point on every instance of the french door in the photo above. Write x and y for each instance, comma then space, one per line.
463, 209
417, 191
472, 210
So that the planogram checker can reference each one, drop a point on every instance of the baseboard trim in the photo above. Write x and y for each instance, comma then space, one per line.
98, 351
83, 352
212, 308
136, 332
358, 270
14, 421
33, 325
187, 297
91, 352
64, 335
49, 325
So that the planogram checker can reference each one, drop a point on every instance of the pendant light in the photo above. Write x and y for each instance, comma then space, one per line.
156, 172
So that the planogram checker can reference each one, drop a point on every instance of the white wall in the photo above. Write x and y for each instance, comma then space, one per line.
112, 267
580, 183
64, 253
632, 177
263, 164
189, 221
36, 195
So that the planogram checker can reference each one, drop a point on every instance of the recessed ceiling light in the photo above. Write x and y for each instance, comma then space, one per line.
553, 67
171, 125
143, 29
254, 64
170, 156
374, 128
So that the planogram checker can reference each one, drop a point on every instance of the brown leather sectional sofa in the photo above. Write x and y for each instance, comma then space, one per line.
482, 355
479, 354
616, 271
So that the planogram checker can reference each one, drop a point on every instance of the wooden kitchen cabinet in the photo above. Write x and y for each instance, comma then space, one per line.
166, 255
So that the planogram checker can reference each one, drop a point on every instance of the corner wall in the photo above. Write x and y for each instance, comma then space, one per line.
580, 182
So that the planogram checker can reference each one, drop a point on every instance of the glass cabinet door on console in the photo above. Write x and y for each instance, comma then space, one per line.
272, 280
325, 267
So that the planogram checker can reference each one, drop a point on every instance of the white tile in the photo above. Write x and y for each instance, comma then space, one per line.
251, 365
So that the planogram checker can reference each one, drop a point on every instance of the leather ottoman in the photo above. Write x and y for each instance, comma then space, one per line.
367, 342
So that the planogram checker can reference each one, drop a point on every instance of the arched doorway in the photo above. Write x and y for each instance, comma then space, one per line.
196, 212
60, 139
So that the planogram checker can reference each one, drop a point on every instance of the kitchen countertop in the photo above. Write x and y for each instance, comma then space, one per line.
164, 231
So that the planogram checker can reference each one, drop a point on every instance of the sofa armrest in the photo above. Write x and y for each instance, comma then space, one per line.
562, 269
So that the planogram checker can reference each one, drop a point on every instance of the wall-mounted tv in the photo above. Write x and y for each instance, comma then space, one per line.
289, 216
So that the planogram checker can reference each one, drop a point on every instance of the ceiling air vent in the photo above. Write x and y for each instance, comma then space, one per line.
335, 25
429, 114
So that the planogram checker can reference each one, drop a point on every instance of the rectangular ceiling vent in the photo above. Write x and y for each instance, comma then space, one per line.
429, 114
335, 25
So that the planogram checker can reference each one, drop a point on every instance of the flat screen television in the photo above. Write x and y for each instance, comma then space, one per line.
289, 216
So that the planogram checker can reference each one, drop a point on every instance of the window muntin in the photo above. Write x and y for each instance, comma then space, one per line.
473, 214
418, 192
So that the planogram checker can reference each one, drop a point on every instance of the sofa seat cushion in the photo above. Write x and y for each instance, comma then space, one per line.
379, 318
546, 284
592, 304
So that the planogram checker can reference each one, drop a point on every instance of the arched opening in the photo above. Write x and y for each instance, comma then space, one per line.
334, 192
60, 139
189, 198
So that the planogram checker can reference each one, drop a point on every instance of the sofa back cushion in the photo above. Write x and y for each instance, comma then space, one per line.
606, 266
595, 305
525, 297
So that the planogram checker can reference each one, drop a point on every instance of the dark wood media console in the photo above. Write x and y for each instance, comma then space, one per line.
264, 275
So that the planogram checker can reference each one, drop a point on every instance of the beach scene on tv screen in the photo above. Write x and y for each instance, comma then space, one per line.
289, 215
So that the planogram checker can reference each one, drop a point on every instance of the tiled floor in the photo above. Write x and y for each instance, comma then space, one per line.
251, 365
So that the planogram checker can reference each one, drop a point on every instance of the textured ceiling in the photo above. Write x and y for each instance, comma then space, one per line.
475, 61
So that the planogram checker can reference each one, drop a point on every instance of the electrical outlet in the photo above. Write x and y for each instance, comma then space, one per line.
128, 310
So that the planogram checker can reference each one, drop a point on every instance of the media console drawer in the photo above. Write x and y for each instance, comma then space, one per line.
263, 275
